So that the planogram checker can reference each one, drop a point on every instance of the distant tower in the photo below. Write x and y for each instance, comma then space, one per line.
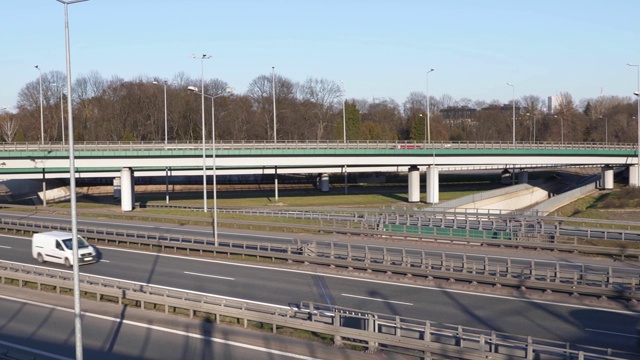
552, 103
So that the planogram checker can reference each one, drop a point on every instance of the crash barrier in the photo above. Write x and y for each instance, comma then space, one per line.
367, 330
603, 282
530, 225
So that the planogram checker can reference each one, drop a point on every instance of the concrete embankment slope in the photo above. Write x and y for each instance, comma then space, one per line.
522, 196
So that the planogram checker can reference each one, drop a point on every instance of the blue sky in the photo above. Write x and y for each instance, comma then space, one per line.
379, 48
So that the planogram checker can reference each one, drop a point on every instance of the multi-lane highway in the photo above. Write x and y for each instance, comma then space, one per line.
286, 287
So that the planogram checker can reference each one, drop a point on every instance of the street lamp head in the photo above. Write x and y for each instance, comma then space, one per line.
229, 90
431, 70
636, 93
192, 88
630, 64
37, 67
68, 2
510, 84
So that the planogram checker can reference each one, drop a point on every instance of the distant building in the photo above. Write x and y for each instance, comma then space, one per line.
505, 108
552, 103
457, 113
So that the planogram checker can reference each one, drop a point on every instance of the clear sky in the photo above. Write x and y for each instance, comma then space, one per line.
379, 48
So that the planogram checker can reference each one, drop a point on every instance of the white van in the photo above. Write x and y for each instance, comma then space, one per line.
56, 246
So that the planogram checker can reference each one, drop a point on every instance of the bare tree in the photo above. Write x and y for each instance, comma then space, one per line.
416, 103
322, 98
261, 92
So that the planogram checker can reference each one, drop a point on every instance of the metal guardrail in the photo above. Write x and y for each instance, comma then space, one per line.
527, 226
382, 259
347, 326
294, 144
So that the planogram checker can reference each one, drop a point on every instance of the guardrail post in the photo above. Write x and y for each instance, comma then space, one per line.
492, 346
529, 355
509, 267
464, 262
371, 327
427, 332
533, 269
337, 339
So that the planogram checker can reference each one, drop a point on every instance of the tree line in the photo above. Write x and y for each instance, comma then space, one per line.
114, 109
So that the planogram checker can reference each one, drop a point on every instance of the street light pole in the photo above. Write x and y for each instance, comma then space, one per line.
72, 189
273, 85
41, 108
344, 114
606, 130
637, 93
204, 149
213, 142
344, 132
513, 126
166, 169
61, 113
427, 129
62, 116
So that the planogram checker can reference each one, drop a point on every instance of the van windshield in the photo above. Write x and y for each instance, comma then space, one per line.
82, 243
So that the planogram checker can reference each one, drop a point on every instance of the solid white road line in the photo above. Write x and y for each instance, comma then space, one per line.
374, 299
612, 333
34, 351
171, 331
212, 276
5, 247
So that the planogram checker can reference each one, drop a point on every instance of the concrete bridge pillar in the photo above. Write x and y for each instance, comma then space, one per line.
127, 189
324, 182
433, 185
606, 182
523, 177
414, 184
633, 176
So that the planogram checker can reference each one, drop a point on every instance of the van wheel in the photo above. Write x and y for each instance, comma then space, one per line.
67, 263
40, 258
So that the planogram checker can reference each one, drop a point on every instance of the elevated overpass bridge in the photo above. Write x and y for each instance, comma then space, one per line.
124, 159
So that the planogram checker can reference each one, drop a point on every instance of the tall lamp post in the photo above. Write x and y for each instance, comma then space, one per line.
637, 93
61, 113
344, 114
513, 101
72, 189
427, 129
204, 149
166, 169
273, 85
41, 108
606, 130
344, 131
228, 91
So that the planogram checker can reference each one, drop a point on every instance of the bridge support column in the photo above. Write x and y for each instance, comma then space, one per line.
607, 178
414, 184
523, 177
127, 189
324, 182
633, 176
433, 185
